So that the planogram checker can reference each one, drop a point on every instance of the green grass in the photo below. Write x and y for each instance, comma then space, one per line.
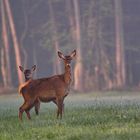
87, 117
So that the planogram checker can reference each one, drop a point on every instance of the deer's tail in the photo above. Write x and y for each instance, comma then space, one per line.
22, 86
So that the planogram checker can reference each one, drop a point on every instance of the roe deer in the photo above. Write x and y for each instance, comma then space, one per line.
54, 89
28, 74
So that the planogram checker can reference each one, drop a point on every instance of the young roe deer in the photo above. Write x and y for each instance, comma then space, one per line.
54, 89
28, 74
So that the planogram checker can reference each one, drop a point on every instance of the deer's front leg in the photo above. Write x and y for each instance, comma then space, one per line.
60, 105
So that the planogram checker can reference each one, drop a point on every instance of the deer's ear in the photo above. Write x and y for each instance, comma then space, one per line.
73, 54
34, 68
61, 55
21, 68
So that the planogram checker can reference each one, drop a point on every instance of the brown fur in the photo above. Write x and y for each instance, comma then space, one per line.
23, 85
54, 89
28, 74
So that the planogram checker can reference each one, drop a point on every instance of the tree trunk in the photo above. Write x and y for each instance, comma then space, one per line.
55, 42
15, 41
23, 36
35, 61
71, 20
25, 61
3, 68
6, 47
120, 54
129, 71
78, 71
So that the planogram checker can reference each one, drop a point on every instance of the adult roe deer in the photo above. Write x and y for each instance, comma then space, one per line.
28, 74
54, 89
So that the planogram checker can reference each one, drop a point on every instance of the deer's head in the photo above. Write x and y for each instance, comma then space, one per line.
28, 73
67, 59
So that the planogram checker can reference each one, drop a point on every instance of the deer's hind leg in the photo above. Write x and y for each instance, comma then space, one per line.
28, 114
22, 109
25, 107
37, 106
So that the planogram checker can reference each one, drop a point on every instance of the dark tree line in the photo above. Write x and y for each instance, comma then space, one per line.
105, 34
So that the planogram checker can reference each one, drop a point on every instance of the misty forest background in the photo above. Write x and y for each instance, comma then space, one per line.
105, 34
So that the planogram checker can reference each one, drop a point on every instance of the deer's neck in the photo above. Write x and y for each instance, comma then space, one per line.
67, 74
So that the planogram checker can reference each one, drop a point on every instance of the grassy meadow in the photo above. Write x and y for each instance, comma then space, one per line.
95, 116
